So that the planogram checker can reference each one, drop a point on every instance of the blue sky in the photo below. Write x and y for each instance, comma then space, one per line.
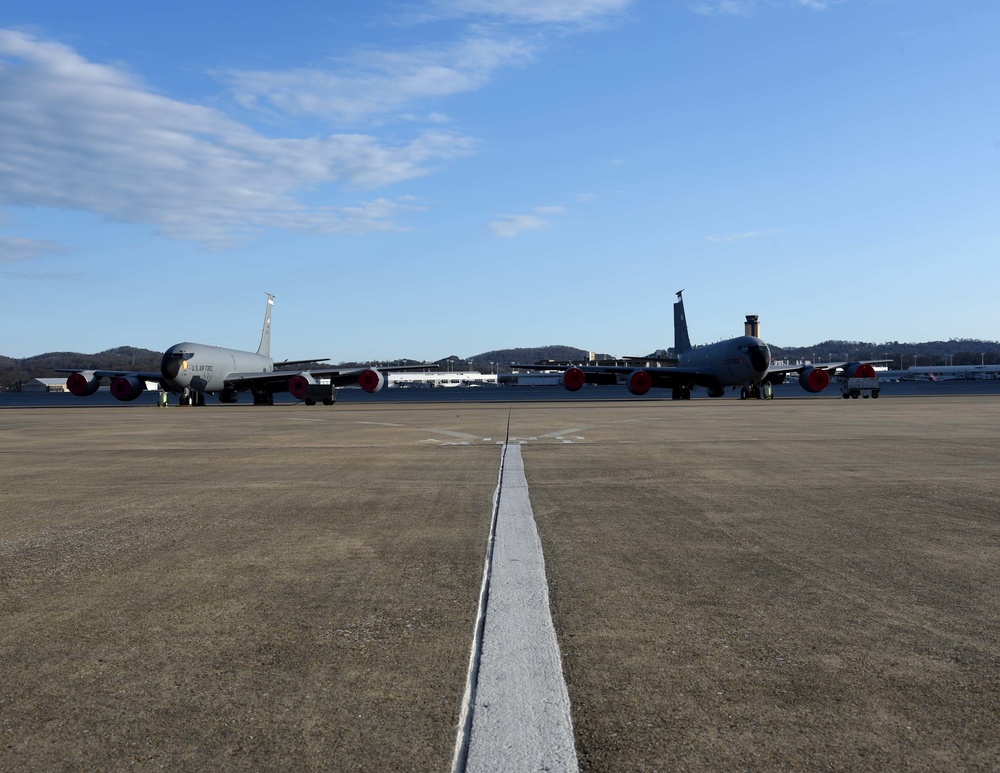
423, 179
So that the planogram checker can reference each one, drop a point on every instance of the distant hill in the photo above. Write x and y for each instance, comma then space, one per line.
952, 352
13, 371
500, 359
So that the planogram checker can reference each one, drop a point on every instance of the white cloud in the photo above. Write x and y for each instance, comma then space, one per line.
371, 84
510, 226
86, 136
14, 250
535, 11
747, 7
724, 7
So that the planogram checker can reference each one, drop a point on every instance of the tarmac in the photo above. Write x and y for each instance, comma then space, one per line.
795, 584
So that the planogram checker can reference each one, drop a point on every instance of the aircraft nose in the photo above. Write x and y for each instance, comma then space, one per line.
173, 360
760, 358
169, 367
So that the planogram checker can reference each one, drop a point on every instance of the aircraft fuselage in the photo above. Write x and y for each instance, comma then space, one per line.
204, 368
739, 361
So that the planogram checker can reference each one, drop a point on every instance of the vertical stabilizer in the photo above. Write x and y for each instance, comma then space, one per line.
682, 343
265, 334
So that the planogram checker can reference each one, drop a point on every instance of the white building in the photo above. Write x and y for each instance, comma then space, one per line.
458, 378
45, 385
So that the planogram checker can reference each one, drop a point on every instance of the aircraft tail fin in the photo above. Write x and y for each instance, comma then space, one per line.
682, 343
265, 334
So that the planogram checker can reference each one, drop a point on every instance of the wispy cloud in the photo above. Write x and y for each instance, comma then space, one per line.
43, 276
741, 236
81, 135
724, 7
747, 7
509, 226
535, 11
372, 84
13, 250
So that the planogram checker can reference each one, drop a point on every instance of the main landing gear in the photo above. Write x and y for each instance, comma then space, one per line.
191, 398
680, 393
757, 392
263, 398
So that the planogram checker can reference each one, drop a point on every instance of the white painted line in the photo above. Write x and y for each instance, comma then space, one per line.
520, 711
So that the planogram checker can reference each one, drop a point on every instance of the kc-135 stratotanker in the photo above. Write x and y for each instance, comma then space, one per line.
742, 363
194, 370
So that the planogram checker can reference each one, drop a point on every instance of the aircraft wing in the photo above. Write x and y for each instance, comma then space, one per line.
142, 375
664, 377
277, 380
830, 367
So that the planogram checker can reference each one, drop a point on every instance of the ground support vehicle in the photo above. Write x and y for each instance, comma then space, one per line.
859, 387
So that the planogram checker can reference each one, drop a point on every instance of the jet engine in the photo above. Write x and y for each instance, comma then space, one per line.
639, 382
126, 388
573, 379
83, 384
299, 384
371, 380
814, 380
858, 370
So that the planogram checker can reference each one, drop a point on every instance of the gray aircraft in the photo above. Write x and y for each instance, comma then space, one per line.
742, 363
194, 370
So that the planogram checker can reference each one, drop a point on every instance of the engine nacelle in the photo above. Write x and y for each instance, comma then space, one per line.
83, 384
814, 380
639, 382
299, 384
573, 379
371, 380
126, 388
858, 370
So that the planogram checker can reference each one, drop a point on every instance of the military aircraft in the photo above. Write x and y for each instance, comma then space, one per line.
194, 370
742, 363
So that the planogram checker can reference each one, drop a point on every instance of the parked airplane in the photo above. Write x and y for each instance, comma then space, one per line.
194, 370
742, 363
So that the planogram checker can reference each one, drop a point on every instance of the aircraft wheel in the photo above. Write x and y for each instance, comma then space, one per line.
866, 396
309, 401
874, 394
854, 395
743, 393
328, 401
846, 396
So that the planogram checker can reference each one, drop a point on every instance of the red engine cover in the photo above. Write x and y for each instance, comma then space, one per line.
127, 388
859, 371
370, 380
639, 382
83, 384
298, 384
814, 380
573, 379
